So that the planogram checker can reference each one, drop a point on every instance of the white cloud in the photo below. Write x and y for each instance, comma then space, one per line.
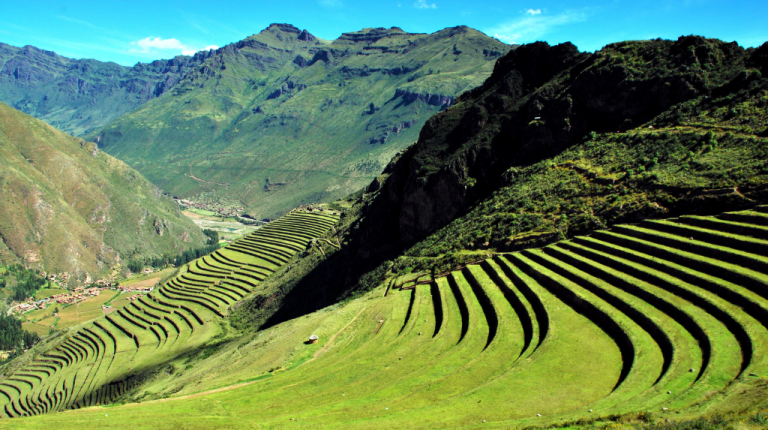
422, 4
533, 12
533, 26
331, 3
150, 44
157, 45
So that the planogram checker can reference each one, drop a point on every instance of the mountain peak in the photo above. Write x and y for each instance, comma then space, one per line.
374, 34
278, 34
288, 28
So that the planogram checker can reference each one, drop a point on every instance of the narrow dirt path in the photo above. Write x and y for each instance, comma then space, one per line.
332, 338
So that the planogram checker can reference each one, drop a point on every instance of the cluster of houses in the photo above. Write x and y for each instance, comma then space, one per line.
131, 288
313, 207
232, 211
78, 295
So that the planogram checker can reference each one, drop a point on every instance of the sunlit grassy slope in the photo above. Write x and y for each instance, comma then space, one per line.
97, 362
668, 317
282, 118
65, 206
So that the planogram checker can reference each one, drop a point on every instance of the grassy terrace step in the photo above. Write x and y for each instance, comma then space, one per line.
292, 234
716, 224
522, 310
253, 253
175, 297
730, 240
295, 225
285, 240
747, 217
527, 287
715, 352
279, 254
222, 260
612, 322
721, 253
731, 306
209, 294
755, 281
602, 315
270, 246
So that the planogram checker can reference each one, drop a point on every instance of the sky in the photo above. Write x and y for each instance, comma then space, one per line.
131, 31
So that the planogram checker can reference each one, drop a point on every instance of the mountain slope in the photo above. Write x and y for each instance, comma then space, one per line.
68, 207
554, 144
432, 323
77, 96
283, 118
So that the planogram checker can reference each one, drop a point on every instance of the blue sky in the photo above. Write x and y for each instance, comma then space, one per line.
128, 31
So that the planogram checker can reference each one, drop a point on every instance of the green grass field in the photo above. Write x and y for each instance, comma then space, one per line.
40, 329
626, 326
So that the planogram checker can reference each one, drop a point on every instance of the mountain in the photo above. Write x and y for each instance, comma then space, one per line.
77, 96
580, 242
555, 143
283, 118
67, 207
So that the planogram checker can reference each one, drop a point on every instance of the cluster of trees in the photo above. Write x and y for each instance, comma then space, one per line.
22, 282
13, 337
136, 265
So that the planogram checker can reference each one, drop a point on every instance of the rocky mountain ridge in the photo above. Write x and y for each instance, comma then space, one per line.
288, 106
540, 100
555, 143
77, 96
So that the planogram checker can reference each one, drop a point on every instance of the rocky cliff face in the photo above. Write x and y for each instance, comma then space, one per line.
77, 96
540, 100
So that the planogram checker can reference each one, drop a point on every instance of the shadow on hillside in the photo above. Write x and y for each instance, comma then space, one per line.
339, 277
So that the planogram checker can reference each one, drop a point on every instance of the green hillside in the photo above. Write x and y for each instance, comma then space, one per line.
98, 362
283, 118
633, 325
66, 207
582, 241
77, 96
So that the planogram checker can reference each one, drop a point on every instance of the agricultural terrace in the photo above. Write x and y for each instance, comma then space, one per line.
97, 363
667, 316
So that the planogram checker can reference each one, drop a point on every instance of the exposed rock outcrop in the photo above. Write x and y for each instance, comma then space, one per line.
430, 99
539, 100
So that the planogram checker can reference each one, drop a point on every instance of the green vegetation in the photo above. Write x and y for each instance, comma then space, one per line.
13, 337
594, 184
279, 119
553, 253
637, 326
19, 284
104, 360
68, 208
51, 87
211, 244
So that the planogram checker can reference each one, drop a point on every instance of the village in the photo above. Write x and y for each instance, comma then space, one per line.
230, 211
78, 295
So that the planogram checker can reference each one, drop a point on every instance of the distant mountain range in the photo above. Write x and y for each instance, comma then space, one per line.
67, 207
276, 120
77, 96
